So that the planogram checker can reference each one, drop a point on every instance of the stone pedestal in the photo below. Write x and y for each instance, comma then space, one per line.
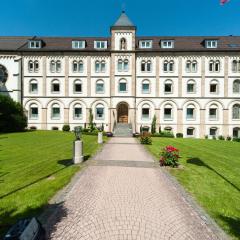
77, 151
100, 138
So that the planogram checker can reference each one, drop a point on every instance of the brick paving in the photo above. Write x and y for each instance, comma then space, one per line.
122, 195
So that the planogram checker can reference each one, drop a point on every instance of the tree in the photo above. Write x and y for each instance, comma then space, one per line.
91, 124
153, 126
12, 117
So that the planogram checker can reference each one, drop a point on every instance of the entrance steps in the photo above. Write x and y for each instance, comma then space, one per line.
123, 130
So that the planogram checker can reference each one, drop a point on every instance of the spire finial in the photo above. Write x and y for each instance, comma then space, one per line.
123, 7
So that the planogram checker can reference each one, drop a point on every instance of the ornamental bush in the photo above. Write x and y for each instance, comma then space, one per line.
169, 156
166, 134
145, 138
66, 128
229, 138
179, 135
12, 117
236, 139
220, 137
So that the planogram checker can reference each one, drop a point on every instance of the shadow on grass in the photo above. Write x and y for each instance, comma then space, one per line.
233, 224
62, 162
53, 214
199, 162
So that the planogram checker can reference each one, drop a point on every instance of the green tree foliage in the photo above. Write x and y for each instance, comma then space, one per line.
153, 126
12, 117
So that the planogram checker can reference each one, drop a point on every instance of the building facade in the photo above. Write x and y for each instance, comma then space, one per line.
191, 84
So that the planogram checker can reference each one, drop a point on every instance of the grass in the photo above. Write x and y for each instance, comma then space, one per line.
33, 167
211, 174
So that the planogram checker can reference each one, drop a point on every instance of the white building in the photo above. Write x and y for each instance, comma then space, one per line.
191, 84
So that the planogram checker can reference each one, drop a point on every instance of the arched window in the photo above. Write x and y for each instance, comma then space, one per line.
30, 66
126, 65
33, 86
123, 44
146, 66
236, 86
236, 66
213, 131
145, 86
143, 66
103, 66
236, 132
213, 112
100, 66
53, 66
194, 66
217, 66
236, 112
165, 66
168, 66
55, 88
55, 111
214, 66
190, 112
213, 88
123, 65
145, 112
190, 132
168, 86
100, 86
75, 66
149, 66
122, 87
188, 66
77, 111
171, 66
77, 88
58, 66
191, 86
36, 66
99, 112
33, 111
168, 112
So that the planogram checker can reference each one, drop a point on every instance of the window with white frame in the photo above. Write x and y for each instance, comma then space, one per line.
55, 86
122, 87
123, 44
168, 111
167, 43
146, 66
33, 113
78, 44
33, 86
123, 65
213, 112
100, 86
145, 43
33, 66
77, 86
99, 112
168, 66
77, 66
191, 66
211, 43
191, 86
77, 111
190, 112
236, 66
100, 44
34, 44
236, 86
55, 66
214, 66
236, 112
190, 132
145, 112
213, 87
213, 131
55, 111
168, 86
145, 86
100, 66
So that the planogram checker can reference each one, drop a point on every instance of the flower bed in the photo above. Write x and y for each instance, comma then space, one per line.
169, 156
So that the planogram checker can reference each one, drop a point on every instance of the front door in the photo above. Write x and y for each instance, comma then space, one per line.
123, 113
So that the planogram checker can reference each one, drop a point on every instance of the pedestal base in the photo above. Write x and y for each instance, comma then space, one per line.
77, 152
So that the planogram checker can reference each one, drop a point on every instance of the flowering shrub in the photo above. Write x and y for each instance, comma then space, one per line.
145, 138
169, 156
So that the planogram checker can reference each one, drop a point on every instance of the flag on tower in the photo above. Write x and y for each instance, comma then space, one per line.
222, 2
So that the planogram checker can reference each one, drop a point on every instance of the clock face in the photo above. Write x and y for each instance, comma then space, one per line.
3, 75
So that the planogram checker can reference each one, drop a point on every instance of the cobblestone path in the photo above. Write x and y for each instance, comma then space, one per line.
122, 194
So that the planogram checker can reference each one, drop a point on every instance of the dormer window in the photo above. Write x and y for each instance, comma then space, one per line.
34, 44
167, 43
145, 43
100, 44
78, 44
211, 43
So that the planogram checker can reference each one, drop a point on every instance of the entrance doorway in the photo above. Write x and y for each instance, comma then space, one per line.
122, 113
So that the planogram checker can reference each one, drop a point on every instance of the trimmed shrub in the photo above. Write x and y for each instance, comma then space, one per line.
236, 139
169, 156
66, 128
214, 138
179, 135
220, 137
12, 117
206, 136
166, 134
229, 138
146, 138
153, 125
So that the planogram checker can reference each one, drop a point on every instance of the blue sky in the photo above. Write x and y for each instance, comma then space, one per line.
93, 17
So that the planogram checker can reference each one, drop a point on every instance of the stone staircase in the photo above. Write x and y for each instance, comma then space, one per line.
123, 130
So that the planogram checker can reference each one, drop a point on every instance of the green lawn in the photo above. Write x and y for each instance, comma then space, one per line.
33, 167
211, 173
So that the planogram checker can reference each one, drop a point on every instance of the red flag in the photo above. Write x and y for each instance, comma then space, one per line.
222, 2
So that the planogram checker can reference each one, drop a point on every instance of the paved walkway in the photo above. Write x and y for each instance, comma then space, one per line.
123, 195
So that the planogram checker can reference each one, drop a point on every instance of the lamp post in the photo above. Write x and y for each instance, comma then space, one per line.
77, 146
